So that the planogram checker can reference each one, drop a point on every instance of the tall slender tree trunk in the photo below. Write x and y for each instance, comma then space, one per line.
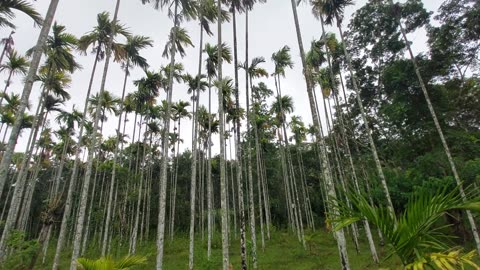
21, 178
438, 127
114, 169
7, 199
29, 80
306, 196
340, 236
165, 147
193, 179
241, 203
28, 196
266, 200
59, 172
259, 186
135, 167
209, 173
221, 117
91, 150
93, 197
294, 192
249, 155
7, 84
368, 232
68, 203
285, 172
174, 186
232, 184
373, 147
137, 212
337, 160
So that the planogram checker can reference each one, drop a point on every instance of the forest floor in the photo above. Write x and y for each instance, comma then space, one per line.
282, 251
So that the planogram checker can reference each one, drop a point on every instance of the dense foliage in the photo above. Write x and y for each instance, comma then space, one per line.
385, 126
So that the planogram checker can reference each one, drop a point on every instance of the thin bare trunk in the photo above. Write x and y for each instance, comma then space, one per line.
68, 203
165, 147
7, 84
241, 204
373, 147
340, 237
114, 169
221, 117
91, 150
453, 167
24, 101
253, 234
209, 174
193, 179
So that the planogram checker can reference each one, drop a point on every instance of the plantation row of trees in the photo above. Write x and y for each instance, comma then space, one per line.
386, 125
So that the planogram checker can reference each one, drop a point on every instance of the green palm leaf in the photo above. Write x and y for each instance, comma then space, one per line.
107, 263
414, 232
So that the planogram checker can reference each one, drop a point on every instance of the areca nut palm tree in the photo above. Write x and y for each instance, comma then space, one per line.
29, 80
133, 58
93, 144
329, 11
187, 12
221, 117
438, 127
99, 39
327, 175
7, 45
16, 65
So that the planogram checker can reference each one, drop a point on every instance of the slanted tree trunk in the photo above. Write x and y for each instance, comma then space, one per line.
7, 84
68, 203
438, 127
20, 183
29, 80
368, 232
340, 236
373, 147
114, 169
93, 197
91, 150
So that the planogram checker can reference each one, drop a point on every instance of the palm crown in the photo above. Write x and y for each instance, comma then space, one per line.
132, 50
331, 9
7, 12
16, 64
100, 35
282, 60
59, 51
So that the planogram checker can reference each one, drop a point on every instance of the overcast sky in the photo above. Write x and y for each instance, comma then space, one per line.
271, 27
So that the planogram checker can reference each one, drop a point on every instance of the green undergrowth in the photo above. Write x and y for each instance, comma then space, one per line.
282, 251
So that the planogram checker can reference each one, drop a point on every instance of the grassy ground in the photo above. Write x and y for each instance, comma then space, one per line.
282, 251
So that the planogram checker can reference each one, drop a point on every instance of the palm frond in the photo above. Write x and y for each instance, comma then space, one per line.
414, 231
7, 13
